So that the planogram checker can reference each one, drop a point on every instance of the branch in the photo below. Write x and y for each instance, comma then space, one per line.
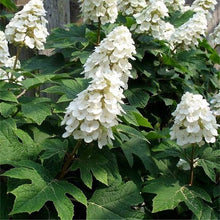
69, 161
21, 94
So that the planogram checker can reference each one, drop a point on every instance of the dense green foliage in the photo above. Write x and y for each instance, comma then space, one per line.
137, 176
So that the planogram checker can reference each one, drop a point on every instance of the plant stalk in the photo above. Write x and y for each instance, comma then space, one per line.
69, 161
99, 31
21, 94
191, 165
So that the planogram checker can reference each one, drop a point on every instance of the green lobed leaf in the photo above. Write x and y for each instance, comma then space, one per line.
53, 147
36, 81
167, 149
36, 109
115, 202
46, 64
68, 88
15, 144
7, 109
43, 188
170, 193
136, 146
134, 117
137, 97
131, 132
82, 55
66, 38
8, 96
98, 162
209, 168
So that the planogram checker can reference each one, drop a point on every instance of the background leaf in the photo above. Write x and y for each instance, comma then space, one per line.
170, 193
140, 148
115, 202
32, 197
15, 144
36, 109
98, 162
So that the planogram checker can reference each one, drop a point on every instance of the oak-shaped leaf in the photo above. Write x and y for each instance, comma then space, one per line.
16, 144
43, 188
170, 192
140, 148
116, 202
100, 163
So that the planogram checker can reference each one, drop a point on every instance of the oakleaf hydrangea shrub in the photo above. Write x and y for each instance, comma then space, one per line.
120, 121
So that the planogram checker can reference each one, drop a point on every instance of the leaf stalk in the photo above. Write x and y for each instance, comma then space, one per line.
192, 165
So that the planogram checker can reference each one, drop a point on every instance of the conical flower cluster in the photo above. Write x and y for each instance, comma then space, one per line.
215, 104
106, 10
194, 122
131, 7
94, 112
215, 36
150, 21
186, 36
28, 27
4, 53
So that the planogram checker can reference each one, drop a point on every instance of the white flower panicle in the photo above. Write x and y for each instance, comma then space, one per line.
176, 5
111, 56
204, 6
28, 27
106, 10
194, 122
186, 36
131, 7
4, 53
95, 111
215, 104
7, 76
215, 36
150, 21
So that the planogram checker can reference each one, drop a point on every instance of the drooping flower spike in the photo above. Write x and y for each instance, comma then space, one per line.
95, 111
194, 122
28, 26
